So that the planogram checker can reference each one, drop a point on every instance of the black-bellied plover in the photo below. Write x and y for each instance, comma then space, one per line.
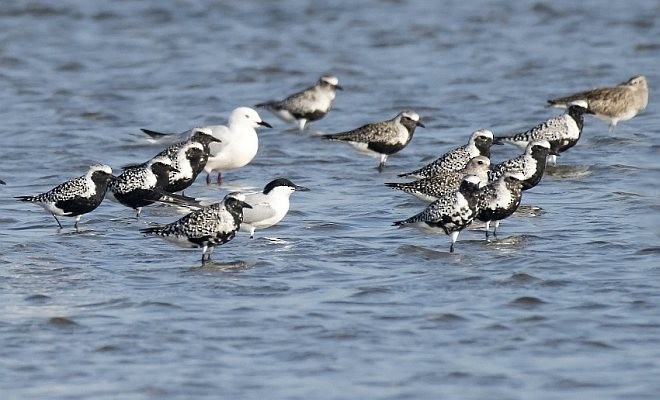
382, 138
77, 196
455, 159
310, 104
531, 164
207, 227
562, 132
499, 199
449, 214
445, 182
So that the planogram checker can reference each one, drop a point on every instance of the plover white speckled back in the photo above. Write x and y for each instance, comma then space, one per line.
499, 199
455, 159
310, 104
612, 104
382, 138
136, 187
531, 164
562, 132
207, 227
451, 213
445, 182
77, 196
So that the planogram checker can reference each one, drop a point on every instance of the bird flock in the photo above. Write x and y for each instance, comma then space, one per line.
461, 185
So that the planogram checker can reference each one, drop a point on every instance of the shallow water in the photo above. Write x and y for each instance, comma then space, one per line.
334, 302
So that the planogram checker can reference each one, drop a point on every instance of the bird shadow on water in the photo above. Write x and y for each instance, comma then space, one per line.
213, 266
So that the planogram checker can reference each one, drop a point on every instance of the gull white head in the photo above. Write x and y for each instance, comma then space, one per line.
247, 116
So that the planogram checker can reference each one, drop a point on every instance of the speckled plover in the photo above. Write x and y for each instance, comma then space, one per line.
499, 199
562, 132
478, 145
442, 184
382, 138
451, 213
207, 227
531, 164
310, 104
612, 104
137, 187
75, 197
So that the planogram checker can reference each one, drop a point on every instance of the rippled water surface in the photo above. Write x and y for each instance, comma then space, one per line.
334, 302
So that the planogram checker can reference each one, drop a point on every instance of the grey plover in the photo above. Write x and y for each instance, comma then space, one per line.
138, 186
478, 145
77, 196
451, 213
310, 104
562, 132
499, 199
207, 227
612, 104
442, 184
531, 164
382, 138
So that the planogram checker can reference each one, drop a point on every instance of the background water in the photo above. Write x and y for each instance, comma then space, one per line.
334, 302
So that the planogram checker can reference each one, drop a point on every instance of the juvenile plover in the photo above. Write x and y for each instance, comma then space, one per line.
382, 138
531, 164
455, 159
138, 186
562, 132
442, 184
75, 197
207, 227
310, 104
612, 104
451, 213
499, 199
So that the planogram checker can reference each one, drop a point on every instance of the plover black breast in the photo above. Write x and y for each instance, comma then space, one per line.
478, 145
205, 228
449, 214
445, 182
562, 132
75, 197
308, 105
500, 199
138, 186
531, 164
382, 138
612, 104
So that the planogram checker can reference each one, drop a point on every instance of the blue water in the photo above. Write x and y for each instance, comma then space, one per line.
334, 302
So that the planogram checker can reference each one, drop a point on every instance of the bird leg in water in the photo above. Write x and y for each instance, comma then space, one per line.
381, 166
219, 179
58, 221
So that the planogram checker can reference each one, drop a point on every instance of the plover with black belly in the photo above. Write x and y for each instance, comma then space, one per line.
310, 104
531, 164
75, 197
612, 104
382, 138
478, 145
208, 227
562, 132
442, 184
499, 199
451, 213
138, 187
